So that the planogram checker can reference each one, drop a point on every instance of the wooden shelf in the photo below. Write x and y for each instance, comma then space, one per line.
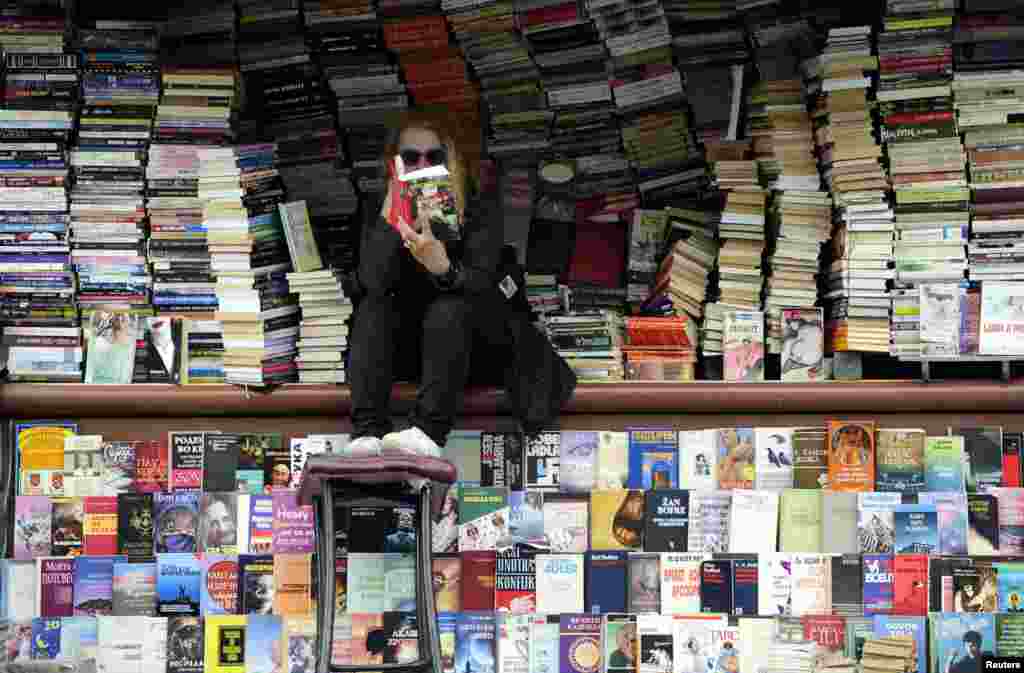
22, 400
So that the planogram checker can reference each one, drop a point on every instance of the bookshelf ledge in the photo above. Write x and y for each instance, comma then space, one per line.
25, 400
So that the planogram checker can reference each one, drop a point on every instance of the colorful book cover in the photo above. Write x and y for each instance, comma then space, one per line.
526, 516
726, 648
982, 524
698, 454
294, 528
803, 345
900, 461
1008, 642
94, 586
876, 522
293, 589
775, 575
261, 524
176, 522
119, 467
100, 526
483, 517
612, 460
858, 630
566, 523
910, 584
341, 584
220, 585
693, 637
743, 345
810, 458
387, 582
446, 622
1011, 459
888, 626
666, 520
255, 584
475, 642
301, 450
577, 461
218, 523
263, 644
179, 579
653, 458
917, 529
33, 516
744, 587
220, 461
620, 640
185, 645
878, 584
40, 450
716, 584
46, 638
952, 514
851, 456
402, 637
544, 655
655, 645
681, 582
515, 578
135, 524
644, 582
56, 587
251, 458
151, 468
944, 464
501, 459
543, 453
366, 629
960, 640
447, 576
579, 643
1010, 584
277, 467
616, 519
68, 527
225, 644
1010, 505
736, 468
829, 631
134, 589
185, 460
606, 576
984, 450
559, 583
513, 643
773, 451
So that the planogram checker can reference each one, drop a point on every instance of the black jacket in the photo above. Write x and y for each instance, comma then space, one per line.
537, 381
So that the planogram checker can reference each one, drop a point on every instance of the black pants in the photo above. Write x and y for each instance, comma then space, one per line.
429, 337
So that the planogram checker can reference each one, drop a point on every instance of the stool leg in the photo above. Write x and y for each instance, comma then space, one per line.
427, 607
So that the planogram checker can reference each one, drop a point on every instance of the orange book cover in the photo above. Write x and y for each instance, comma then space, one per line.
293, 578
851, 456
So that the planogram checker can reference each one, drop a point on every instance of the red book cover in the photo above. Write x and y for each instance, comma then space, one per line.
478, 568
829, 631
1011, 459
516, 580
917, 117
910, 584
150, 467
56, 587
100, 525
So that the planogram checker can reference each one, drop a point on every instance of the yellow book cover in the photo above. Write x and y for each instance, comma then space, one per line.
616, 519
293, 576
225, 644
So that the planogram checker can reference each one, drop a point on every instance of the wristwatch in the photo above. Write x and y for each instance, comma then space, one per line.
446, 281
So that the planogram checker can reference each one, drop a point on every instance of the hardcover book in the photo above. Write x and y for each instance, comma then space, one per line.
735, 464
666, 520
577, 461
179, 579
175, 524
653, 459
606, 575
220, 585
900, 461
185, 463
851, 456
579, 643
616, 519
94, 586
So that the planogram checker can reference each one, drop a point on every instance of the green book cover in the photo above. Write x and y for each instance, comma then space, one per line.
800, 521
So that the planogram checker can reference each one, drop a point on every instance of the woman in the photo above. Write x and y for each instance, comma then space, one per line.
431, 293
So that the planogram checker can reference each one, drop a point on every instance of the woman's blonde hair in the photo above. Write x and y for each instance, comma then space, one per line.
418, 119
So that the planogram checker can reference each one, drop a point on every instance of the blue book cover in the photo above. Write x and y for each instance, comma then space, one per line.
220, 585
606, 581
716, 587
446, 639
262, 640
79, 638
526, 516
94, 585
888, 625
744, 583
175, 522
961, 639
917, 529
46, 637
475, 643
179, 578
653, 458
878, 584
1010, 585
952, 514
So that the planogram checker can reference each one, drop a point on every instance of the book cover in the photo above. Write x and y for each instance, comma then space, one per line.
1001, 319
577, 461
134, 589
84, 631
185, 460
46, 638
256, 584
1010, 585
726, 647
293, 589
341, 585
56, 587
151, 468
119, 467
1011, 459
847, 583
612, 460
111, 342
666, 520
94, 586
743, 345
1010, 506
367, 630
475, 642
829, 631
917, 529
135, 524
606, 581
888, 626
800, 520
878, 584
446, 624
219, 585
252, 457
447, 575
620, 640
559, 583
655, 647
910, 584
501, 460
299, 452
693, 640
543, 453
298, 233
225, 644
515, 578
579, 643
83, 465
544, 655
185, 645
959, 641
653, 459
526, 516
744, 587
401, 638
644, 582
812, 584
21, 579
483, 517
773, 452
262, 643
775, 575
984, 450
753, 527
478, 579
616, 519
33, 517
858, 630
810, 458
876, 522
735, 464
566, 523
841, 535
179, 579
220, 461
261, 524
99, 525
68, 527
370, 525
851, 456
681, 583
294, 528
944, 464
218, 523
40, 450
900, 461
698, 455
803, 345
513, 643
952, 515
709, 521
716, 587
176, 521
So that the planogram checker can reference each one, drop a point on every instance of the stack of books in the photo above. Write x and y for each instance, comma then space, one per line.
684, 11
121, 88
590, 342
684, 273
742, 232
202, 351
323, 331
659, 349
988, 90
198, 33
849, 157
33, 27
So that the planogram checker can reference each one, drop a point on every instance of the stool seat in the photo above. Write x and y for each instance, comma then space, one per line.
387, 468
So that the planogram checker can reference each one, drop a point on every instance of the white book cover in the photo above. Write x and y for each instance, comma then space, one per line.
656, 649
876, 525
1002, 318
120, 649
21, 590
242, 525
559, 583
812, 584
773, 456
301, 449
757, 636
154, 644
692, 638
612, 464
680, 582
754, 522
726, 647
709, 521
698, 454
513, 643
940, 318
544, 643
775, 584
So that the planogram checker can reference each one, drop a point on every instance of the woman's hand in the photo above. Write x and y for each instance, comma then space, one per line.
424, 246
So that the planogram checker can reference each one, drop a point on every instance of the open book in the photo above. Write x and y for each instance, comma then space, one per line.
429, 188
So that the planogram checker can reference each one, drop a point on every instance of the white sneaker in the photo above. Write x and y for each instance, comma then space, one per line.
364, 446
411, 440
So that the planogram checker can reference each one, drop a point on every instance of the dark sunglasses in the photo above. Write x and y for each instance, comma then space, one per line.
435, 156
